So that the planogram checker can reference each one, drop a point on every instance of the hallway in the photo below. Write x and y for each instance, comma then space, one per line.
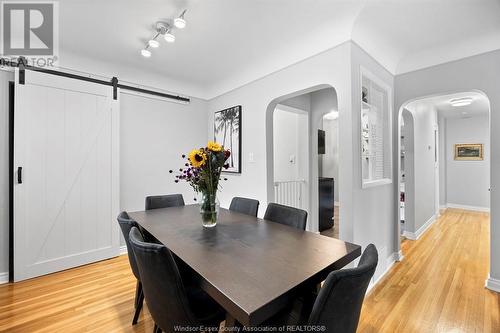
439, 285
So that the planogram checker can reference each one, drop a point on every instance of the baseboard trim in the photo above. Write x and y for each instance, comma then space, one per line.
123, 249
390, 261
4, 277
493, 284
416, 235
466, 207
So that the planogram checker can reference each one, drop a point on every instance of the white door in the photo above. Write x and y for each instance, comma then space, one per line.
66, 194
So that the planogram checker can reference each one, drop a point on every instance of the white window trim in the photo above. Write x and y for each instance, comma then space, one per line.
363, 72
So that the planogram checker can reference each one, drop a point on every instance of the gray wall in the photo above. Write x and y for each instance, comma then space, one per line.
5, 77
409, 169
424, 171
475, 73
467, 182
153, 135
374, 216
442, 162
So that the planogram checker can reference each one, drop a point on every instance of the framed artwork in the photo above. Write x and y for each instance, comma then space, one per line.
227, 132
469, 152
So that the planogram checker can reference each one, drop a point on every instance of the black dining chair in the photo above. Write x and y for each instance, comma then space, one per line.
337, 306
126, 223
164, 201
244, 206
286, 215
169, 301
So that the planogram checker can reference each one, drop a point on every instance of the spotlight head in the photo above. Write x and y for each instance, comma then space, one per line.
153, 43
180, 22
146, 53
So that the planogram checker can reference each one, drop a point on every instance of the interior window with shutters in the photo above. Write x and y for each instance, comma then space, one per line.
375, 131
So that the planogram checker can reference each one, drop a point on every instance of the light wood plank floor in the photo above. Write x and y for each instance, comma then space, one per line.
439, 287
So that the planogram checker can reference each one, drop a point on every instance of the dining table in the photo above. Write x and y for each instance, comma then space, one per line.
252, 267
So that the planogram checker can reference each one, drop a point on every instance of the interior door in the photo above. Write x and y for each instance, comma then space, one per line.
66, 181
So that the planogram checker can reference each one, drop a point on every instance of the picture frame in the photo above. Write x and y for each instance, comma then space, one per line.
469, 152
227, 132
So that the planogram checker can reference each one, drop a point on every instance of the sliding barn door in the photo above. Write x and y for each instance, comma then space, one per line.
66, 181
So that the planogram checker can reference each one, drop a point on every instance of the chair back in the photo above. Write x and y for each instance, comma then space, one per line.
164, 201
162, 284
126, 223
245, 206
290, 216
339, 301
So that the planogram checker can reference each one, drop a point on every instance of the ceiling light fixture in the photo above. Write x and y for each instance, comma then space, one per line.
166, 30
461, 101
146, 53
180, 22
332, 115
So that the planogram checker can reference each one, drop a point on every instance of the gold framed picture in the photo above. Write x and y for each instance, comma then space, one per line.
469, 152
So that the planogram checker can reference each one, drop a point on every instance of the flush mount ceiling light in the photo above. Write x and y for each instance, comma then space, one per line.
180, 22
461, 101
166, 30
332, 115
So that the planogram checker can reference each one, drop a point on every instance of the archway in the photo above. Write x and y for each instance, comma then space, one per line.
315, 114
411, 107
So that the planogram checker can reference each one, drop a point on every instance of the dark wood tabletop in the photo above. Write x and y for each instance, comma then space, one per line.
251, 267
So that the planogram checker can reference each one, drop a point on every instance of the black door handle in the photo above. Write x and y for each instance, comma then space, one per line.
19, 175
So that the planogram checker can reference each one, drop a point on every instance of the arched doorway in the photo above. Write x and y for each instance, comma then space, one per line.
426, 152
314, 102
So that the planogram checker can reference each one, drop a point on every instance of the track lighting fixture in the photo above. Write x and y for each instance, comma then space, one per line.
166, 30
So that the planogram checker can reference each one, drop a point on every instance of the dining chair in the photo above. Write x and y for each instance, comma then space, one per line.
286, 215
337, 306
126, 223
169, 301
244, 206
164, 201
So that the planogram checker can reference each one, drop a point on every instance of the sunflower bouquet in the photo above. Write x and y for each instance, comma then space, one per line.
202, 171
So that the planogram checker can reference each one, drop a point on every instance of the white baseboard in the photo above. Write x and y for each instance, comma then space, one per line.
493, 284
466, 207
123, 249
441, 207
390, 261
4, 277
416, 235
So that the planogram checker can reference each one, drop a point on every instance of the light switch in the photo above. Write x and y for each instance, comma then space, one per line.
251, 158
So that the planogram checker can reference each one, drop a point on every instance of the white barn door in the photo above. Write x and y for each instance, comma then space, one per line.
66, 186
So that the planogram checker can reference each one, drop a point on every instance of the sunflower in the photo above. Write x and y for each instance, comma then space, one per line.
214, 146
197, 158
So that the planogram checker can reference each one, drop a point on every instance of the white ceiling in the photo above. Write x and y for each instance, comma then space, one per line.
228, 43
480, 105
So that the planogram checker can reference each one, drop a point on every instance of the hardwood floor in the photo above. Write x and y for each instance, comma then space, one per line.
438, 287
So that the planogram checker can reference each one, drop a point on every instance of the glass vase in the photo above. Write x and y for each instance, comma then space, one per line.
209, 209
